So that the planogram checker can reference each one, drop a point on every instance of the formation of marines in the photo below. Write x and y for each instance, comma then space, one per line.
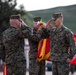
12, 46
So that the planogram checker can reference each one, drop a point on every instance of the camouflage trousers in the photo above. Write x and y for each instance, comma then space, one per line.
18, 68
36, 68
72, 69
60, 68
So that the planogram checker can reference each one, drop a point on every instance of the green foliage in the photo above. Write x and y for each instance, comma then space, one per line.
7, 8
69, 13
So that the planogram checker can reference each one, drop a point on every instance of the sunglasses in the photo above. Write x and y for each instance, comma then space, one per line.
36, 19
55, 19
20, 20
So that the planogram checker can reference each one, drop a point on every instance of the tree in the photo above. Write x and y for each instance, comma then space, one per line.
7, 8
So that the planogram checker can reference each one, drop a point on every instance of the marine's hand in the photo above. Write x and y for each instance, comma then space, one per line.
23, 23
49, 25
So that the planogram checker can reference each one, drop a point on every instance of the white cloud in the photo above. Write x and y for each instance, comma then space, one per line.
43, 4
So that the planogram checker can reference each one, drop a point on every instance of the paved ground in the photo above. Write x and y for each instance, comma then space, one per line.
1, 73
47, 73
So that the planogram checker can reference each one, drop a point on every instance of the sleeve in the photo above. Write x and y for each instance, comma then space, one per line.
43, 33
34, 31
70, 41
2, 51
35, 37
31, 34
24, 32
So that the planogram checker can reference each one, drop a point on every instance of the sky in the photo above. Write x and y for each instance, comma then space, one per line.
31, 5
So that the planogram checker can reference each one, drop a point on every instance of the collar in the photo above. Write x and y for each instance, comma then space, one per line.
12, 27
59, 30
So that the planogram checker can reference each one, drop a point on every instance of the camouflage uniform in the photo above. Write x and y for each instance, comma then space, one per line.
35, 68
2, 51
62, 47
12, 44
72, 67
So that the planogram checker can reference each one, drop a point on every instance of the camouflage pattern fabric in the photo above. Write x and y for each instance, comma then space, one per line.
35, 68
72, 67
60, 68
62, 47
62, 43
18, 68
12, 40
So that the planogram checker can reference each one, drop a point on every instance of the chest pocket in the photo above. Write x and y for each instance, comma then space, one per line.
58, 38
61, 38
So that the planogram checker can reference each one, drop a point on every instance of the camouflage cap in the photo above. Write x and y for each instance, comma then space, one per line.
57, 15
36, 19
15, 16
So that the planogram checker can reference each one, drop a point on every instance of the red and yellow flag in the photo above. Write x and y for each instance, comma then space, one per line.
44, 50
44, 45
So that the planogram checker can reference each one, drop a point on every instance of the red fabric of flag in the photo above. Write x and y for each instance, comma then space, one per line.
4, 69
75, 38
44, 50
73, 62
